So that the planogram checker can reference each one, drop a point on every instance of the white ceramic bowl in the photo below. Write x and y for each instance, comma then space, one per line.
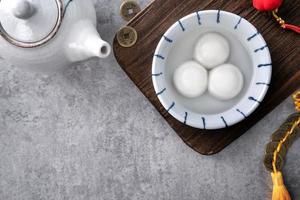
249, 52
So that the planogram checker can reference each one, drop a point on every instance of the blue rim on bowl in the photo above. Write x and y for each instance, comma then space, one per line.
249, 38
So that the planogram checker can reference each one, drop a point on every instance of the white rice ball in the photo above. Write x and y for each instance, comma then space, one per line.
211, 50
190, 79
225, 82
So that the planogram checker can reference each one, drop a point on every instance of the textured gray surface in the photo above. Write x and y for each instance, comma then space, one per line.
90, 134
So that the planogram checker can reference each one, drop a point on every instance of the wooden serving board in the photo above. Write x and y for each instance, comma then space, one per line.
154, 20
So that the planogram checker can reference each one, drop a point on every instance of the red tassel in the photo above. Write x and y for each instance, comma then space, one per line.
292, 27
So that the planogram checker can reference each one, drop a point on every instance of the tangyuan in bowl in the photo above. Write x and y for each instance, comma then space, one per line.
214, 108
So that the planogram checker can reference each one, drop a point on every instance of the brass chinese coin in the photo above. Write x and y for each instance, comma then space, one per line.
272, 146
292, 138
293, 118
268, 160
280, 133
129, 9
127, 36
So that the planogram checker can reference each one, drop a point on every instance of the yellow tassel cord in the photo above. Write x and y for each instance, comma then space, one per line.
279, 190
278, 19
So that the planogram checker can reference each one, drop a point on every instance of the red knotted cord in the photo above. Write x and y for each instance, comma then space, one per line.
273, 5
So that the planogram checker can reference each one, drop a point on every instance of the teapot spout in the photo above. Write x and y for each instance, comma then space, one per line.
85, 42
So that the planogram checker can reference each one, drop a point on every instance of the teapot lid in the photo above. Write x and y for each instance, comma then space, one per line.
30, 23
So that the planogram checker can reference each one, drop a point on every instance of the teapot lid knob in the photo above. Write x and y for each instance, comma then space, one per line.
23, 9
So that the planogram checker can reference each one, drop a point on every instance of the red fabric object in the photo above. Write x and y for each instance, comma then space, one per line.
292, 27
267, 5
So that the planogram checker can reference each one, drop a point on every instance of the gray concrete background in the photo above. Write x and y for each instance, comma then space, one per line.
90, 134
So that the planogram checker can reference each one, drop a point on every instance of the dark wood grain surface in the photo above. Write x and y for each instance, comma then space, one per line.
154, 20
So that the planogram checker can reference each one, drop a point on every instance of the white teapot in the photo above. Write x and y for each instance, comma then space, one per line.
46, 35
